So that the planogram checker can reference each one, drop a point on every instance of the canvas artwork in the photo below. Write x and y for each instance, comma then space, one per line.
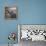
10, 12
33, 32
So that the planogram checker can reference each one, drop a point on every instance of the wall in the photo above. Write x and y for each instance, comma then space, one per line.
29, 12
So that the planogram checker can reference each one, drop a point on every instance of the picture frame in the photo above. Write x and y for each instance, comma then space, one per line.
11, 12
34, 30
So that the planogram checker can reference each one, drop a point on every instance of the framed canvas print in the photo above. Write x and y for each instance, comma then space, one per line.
32, 32
11, 12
